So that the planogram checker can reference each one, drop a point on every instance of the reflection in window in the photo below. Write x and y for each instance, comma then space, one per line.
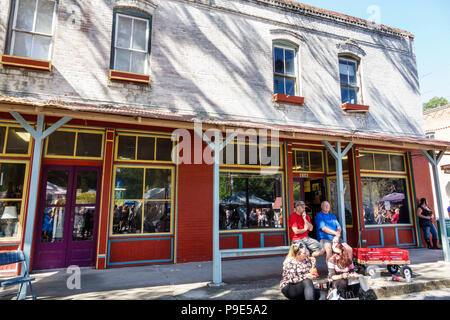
142, 207
53, 224
385, 200
285, 80
250, 200
32, 29
332, 163
332, 184
307, 161
348, 70
144, 148
371, 161
250, 153
76, 144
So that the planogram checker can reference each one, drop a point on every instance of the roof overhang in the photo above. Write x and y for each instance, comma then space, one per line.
148, 117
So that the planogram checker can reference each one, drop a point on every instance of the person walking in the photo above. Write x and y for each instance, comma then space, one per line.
426, 217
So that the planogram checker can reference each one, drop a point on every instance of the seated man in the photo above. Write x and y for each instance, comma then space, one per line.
329, 230
299, 228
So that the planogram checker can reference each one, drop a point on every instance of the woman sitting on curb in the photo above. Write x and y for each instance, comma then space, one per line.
297, 278
341, 270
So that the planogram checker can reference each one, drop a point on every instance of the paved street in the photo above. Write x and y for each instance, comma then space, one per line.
424, 295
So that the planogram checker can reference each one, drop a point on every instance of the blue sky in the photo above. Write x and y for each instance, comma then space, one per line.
428, 20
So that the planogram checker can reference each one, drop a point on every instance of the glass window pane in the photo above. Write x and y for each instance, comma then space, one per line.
302, 161
123, 32
158, 183
331, 163
366, 161
12, 178
279, 60
352, 98
250, 200
56, 189
146, 148
2, 138
18, 141
89, 145
22, 44
83, 223
9, 222
140, 35
316, 161
290, 86
343, 71
157, 217
231, 154
270, 156
290, 62
41, 48
352, 73
397, 163
61, 143
138, 62
126, 148
164, 149
122, 60
86, 187
53, 224
347, 200
127, 217
25, 15
278, 84
381, 162
44, 16
129, 183
345, 95
385, 200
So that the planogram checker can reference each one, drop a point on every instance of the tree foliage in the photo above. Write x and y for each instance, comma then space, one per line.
434, 103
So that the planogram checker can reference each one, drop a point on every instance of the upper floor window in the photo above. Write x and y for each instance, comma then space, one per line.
32, 28
348, 72
131, 43
284, 68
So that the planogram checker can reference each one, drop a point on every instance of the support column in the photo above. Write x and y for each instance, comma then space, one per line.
216, 147
105, 201
434, 160
39, 136
338, 155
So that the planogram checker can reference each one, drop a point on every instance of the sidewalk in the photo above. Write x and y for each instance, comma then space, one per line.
246, 279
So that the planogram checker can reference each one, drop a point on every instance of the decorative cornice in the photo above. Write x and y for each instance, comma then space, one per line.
350, 46
284, 32
334, 16
146, 6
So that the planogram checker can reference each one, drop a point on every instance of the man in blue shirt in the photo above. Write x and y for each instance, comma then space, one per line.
328, 229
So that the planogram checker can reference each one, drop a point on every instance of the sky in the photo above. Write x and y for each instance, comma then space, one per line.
428, 20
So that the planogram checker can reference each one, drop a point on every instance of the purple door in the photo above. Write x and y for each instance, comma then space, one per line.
66, 231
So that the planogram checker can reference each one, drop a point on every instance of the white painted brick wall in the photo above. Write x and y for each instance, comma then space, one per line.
214, 58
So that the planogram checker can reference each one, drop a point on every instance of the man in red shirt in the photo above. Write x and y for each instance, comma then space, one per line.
299, 227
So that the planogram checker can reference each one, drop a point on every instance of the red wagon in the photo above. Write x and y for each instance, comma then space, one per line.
366, 260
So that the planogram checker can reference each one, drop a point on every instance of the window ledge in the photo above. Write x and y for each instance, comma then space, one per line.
278, 97
22, 62
349, 107
129, 76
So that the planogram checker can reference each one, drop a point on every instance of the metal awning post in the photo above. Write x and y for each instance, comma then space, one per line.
434, 160
39, 135
217, 148
338, 155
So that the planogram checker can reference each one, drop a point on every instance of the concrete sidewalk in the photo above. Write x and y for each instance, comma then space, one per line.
246, 279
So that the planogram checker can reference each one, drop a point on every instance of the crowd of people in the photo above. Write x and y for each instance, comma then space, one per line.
382, 215
237, 218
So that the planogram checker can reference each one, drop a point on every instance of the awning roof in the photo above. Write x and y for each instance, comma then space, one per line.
147, 116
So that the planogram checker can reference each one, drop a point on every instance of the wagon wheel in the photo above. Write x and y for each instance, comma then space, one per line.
393, 268
371, 271
406, 272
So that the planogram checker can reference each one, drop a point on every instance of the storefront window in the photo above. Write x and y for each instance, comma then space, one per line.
374, 161
75, 144
251, 152
142, 200
14, 141
144, 148
250, 200
332, 187
12, 182
310, 161
332, 163
385, 200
